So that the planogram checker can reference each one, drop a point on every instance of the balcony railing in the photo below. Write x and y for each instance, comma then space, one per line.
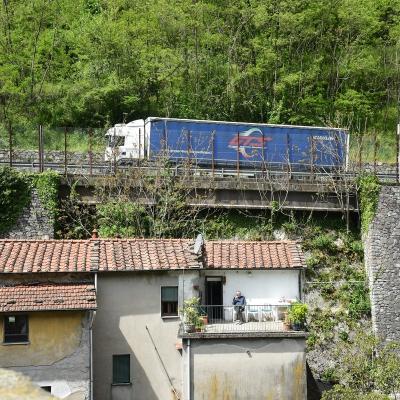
235, 319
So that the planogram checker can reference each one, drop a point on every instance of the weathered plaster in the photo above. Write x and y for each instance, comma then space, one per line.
263, 368
52, 337
58, 354
127, 304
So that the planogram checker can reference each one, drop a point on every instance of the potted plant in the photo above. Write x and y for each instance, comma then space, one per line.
190, 311
297, 315
204, 316
199, 325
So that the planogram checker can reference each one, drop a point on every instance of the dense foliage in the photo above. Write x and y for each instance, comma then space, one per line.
14, 196
90, 62
366, 369
368, 188
47, 185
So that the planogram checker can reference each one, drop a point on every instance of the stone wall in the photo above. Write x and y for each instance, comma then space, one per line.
31, 156
379, 168
35, 222
382, 261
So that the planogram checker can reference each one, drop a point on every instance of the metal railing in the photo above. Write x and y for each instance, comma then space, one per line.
231, 319
93, 167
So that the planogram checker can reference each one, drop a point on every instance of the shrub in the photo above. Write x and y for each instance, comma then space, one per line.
15, 193
122, 218
369, 188
297, 313
46, 185
324, 242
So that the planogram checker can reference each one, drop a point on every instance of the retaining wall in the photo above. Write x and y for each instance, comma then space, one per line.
382, 261
35, 222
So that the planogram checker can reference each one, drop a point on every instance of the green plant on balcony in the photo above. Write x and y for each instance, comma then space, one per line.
191, 314
297, 315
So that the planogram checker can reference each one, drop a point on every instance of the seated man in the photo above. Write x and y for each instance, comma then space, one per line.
239, 302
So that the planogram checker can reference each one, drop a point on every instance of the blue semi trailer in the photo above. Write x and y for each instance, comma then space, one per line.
224, 144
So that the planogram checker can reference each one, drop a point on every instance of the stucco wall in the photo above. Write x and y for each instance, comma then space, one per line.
382, 261
249, 368
58, 353
127, 304
259, 285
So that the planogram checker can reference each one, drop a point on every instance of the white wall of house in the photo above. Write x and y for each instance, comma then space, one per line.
261, 285
247, 368
129, 307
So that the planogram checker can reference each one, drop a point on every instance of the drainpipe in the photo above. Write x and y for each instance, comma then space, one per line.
188, 391
92, 317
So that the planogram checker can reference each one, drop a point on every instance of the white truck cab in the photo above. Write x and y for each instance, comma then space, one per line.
126, 142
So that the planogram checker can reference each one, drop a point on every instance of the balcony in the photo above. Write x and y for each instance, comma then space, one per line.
249, 319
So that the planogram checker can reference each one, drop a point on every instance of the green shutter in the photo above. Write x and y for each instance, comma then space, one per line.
121, 368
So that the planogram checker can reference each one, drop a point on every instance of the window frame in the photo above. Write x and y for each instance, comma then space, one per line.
114, 381
24, 337
174, 314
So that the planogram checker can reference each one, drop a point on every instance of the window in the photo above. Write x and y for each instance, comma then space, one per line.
169, 301
115, 141
46, 388
15, 328
121, 368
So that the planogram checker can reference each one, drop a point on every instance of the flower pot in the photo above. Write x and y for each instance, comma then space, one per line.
189, 328
204, 318
297, 326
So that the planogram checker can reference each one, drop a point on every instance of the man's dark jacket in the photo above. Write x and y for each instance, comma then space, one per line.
239, 301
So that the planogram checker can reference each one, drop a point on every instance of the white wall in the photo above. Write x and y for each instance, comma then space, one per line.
128, 304
248, 368
265, 284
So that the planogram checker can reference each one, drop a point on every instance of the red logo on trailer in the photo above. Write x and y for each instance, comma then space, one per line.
252, 140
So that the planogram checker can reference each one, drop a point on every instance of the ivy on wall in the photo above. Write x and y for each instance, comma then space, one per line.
15, 193
46, 185
16, 190
368, 188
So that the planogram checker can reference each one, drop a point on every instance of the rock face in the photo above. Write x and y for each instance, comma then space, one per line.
379, 168
382, 261
35, 222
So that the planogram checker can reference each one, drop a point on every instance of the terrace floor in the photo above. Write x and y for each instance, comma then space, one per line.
252, 326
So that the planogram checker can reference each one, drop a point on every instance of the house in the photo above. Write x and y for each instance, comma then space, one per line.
142, 285
46, 315
141, 349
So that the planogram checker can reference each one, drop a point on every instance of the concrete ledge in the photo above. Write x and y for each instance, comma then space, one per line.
244, 334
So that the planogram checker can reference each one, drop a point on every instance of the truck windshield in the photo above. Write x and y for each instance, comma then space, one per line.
115, 141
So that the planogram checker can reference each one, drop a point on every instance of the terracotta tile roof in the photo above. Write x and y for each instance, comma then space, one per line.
31, 256
146, 254
249, 255
47, 296
20, 256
